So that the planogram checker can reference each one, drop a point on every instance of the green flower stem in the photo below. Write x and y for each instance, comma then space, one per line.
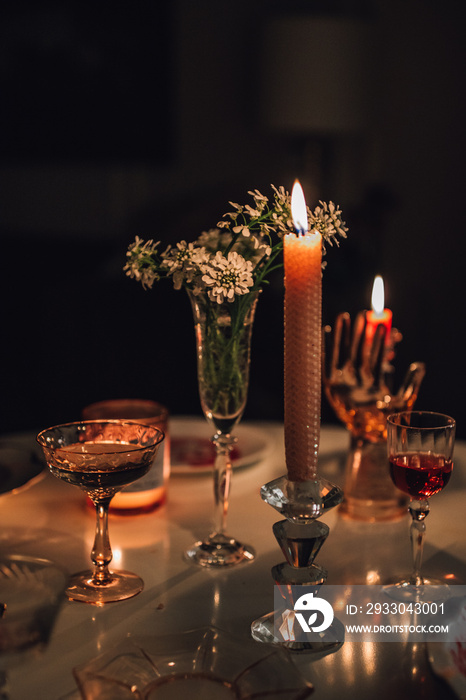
223, 333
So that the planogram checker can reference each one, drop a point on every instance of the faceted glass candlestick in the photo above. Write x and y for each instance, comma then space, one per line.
300, 537
301, 502
300, 543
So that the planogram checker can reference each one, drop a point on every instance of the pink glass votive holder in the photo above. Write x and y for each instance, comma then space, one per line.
150, 492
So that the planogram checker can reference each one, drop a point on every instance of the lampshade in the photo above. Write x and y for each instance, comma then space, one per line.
315, 75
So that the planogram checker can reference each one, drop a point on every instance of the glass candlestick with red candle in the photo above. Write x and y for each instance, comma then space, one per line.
358, 383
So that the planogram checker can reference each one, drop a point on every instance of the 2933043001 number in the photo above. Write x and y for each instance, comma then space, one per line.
400, 608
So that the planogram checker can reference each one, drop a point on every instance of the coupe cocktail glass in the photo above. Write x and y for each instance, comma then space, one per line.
420, 451
101, 457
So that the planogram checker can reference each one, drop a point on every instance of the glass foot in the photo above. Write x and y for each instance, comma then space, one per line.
301, 501
263, 630
219, 551
123, 585
430, 591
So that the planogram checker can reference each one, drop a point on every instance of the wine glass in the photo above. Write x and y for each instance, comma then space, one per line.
101, 457
420, 451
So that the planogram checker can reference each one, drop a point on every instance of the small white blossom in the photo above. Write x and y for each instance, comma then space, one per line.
183, 262
252, 212
243, 230
227, 276
327, 220
258, 197
139, 264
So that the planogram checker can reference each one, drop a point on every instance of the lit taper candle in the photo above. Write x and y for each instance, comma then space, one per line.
303, 321
379, 315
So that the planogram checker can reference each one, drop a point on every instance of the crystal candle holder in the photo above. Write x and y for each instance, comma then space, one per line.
300, 537
301, 501
357, 377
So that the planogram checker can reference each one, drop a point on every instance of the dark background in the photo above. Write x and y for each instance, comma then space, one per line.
147, 118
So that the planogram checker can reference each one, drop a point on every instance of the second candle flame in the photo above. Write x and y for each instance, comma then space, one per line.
378, 296
298, 209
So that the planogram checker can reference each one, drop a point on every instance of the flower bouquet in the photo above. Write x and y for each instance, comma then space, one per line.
223, 272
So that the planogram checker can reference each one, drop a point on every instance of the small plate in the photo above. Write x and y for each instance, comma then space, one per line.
206, 663
20, 467
192, 452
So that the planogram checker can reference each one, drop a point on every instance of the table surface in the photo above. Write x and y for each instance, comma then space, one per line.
51, 519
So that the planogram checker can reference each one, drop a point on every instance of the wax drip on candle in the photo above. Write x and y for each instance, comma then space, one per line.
303, 321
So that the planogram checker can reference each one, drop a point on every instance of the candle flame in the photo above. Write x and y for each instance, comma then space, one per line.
378, 296
298, 209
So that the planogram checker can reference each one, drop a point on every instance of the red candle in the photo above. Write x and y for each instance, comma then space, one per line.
379, 314
303, 321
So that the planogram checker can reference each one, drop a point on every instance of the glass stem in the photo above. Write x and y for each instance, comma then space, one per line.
419, 511
222, 479
101, 554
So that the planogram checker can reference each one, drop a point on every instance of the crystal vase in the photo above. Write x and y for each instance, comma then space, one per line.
223, 340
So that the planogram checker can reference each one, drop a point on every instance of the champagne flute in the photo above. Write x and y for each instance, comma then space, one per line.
223, 339
101, 457
420, 451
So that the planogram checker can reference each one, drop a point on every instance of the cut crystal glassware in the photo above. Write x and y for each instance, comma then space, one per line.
206, 663
420, 451
101, 457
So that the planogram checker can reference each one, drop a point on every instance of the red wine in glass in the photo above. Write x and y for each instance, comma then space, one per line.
420, 474
420, 453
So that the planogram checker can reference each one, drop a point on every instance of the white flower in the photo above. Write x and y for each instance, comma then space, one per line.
139, 265
183, 262
243, 230
327, 220
214, 239
252, 212
226, 276
258, 197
